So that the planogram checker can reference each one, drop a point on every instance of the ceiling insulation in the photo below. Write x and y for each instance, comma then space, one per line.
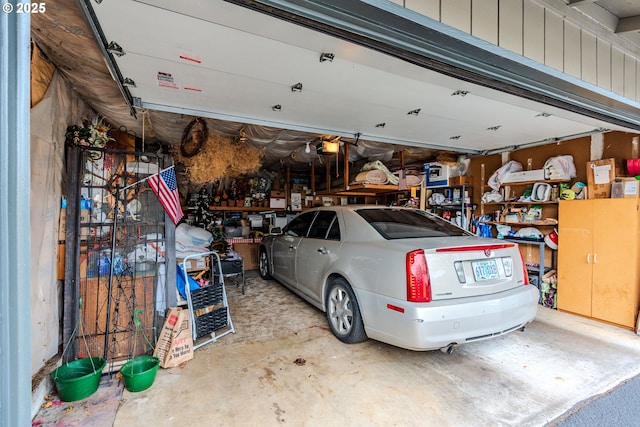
242, 70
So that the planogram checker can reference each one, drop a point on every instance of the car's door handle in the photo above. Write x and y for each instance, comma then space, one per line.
323, 251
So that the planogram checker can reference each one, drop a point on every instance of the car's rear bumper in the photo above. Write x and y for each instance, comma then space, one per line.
437, 324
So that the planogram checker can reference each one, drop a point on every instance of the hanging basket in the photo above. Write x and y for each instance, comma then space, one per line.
78, 379
139, 373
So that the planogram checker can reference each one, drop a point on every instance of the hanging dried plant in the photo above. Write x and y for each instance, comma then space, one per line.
220, 157
447, 158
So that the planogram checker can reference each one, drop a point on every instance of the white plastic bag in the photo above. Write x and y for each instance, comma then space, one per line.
498, 176
560, 167
492, 197
189, 235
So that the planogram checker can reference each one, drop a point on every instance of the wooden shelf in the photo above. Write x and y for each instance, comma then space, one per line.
542, 181
525, 224
454, 206
364, 189
520, 203
244, 208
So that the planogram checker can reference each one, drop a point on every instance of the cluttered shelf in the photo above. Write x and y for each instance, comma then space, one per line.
374, 179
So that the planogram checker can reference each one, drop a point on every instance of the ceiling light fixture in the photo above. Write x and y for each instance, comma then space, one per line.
381, 125
115, 49
307, 149
277, 107
296, 87
128, 82
543, 115
460, 93
494, 128
414, 112
325, 56
328, 147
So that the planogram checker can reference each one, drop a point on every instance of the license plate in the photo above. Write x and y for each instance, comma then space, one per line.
484, 270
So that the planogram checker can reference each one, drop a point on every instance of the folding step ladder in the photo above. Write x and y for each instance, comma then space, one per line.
208, 306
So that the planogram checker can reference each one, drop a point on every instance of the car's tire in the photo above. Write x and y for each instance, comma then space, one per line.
263, 265
343, 313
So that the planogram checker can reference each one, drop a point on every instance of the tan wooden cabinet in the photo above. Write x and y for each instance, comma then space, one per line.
599, 259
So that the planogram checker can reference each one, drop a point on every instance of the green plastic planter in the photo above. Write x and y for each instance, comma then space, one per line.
139, 373
78, 379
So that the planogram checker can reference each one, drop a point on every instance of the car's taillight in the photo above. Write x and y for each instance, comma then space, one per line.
524, 270
418, 282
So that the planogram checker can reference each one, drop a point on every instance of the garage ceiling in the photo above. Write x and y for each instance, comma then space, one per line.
285, 84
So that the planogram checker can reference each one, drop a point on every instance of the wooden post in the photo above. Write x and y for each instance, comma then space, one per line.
328, 173
287, 187
313, 183
346, 166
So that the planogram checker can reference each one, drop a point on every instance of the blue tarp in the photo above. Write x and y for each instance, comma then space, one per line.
180, 282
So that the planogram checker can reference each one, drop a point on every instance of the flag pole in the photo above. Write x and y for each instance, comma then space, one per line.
145, 179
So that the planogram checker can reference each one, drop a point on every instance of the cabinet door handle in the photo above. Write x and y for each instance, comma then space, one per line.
595, 258
588, 258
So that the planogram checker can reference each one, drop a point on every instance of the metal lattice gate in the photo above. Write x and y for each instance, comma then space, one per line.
116, 242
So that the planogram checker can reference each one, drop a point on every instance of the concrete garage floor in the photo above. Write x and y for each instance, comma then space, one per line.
284, 367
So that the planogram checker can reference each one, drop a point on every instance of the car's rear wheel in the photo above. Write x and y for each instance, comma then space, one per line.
263, 265
343, 313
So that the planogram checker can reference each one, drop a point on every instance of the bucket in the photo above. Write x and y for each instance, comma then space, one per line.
551, 239
139, 373
78, 379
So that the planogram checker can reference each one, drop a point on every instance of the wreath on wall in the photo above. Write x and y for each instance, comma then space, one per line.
194, 137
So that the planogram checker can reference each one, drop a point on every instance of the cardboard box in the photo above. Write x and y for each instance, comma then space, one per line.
62, 225
630, 187
278, 195
277, 203
61, 261
193, 264
460, 180
437, 175
600, 176
85, 218
522, 176
249, 252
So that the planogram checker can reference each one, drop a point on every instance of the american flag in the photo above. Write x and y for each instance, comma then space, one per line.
165, 186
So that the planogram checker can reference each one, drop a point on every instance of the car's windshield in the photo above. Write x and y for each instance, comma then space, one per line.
408, 223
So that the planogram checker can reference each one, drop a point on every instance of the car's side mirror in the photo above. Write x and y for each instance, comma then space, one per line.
275, 230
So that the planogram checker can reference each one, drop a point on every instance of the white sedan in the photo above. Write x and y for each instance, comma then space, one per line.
401, 276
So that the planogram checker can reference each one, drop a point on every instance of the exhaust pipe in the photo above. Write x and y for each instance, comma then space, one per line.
448, 349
